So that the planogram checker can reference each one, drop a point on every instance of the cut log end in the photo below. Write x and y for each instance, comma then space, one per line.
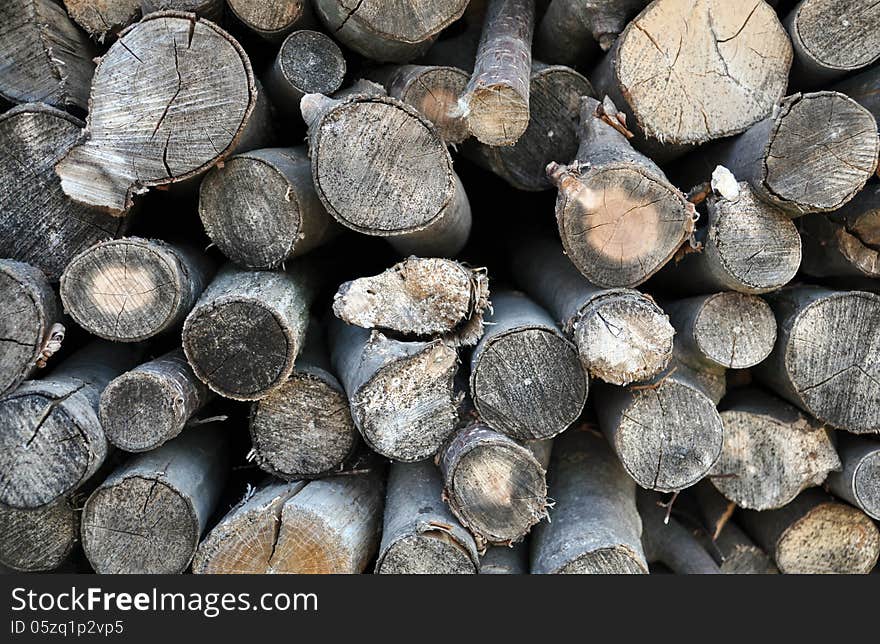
311, 63
270, 19
101, 19
607, 561
735, 330
37, 540
428, 552
497, 115
866, 484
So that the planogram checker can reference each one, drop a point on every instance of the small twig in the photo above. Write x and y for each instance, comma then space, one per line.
654, 385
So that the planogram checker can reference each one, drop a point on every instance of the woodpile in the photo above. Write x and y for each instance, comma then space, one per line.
440, 286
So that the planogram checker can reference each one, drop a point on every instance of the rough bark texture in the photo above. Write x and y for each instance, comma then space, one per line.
40, 539
244, 333
39, 224
726, 330
30, 316
244, 540
420, 535
308, 62
619, 217
381, 168
527, 380
667, 434
52, 440
749, 246
401, 393
388, 31
813, 154
505, 560
494, 485
421, 297
832, 38
847, 241
621, 334
691, 71
260, 208
170, 98
146, 407
272, 19
304, 428
432, 90
859, 480
131, 289
554, 101
594, 526
43, 56
827, 355
147, 517
667, 541
814, 535
496, 101
862, 88
771, 451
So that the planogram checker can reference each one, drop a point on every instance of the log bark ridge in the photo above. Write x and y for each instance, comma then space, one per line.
40, 539
595, 526
52, 440
420, 535
36, 137
132, 289
177, 89
495, 486
826, 357
46, 58
148, 515
527, 380
260, 208
146, 407
308, 62
691, 71
619, 217
272, 19
30, 316
858, 482
667, 541
505, 560
247, 328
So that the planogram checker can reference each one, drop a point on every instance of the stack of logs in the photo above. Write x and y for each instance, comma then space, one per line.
211, 359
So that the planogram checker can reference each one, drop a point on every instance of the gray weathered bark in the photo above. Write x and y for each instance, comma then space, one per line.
272, 19
308, 62
420, 535
40, 539
210, 9
595, 526
859, 480
247, 328
527, 380
669, 542
505, 560
103, 18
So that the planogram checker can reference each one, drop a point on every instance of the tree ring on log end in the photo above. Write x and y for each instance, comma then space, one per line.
312, 62
427, 552
606, 561
735, 330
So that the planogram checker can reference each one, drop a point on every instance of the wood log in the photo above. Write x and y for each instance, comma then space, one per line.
667, 434
247, 328
52, 440
40, 539
401, 393
458, 48
381, 168
31, 199
272, 19
46, 58
667, 541
495, 486
211, 9
845, 242
619, 217
551, 136
419, 297
816, 535
748, 246
260, 208
726, 330
148, 515
30, 322
385, 31
146, 407
621, 334
771, 451
496, 100
170, 98
304, 428
243, 541
862, 88
819, 29
594, 527
858, 482
308, 62
505, 560
527, 380
826, 361
692, 72
813, 154
433, 90
102, 18
420, 535
572, 32
131, 289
